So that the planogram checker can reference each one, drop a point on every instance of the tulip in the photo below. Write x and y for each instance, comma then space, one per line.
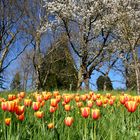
85, 111
42, 103
47, 96
94, 97
36, 106
131, 106
2, 99
7, 121
22, 94
122, 99
52, 109
83, 97
108, 95
4, 106
111, 101
21, 117
50, 125
27, 102
90, 103
55, 93
11, 106
79, 104
11, 97
113, 98
39, 114
98, 102
67, 99
39, 98
95, 113
53, 102
91, 93
67, 107
19, 110
58, 97
77, 98
68, 121
98, 95
105, 101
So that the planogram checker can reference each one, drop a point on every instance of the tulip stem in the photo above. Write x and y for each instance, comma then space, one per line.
94, 130
68, 133
4, 125
85, 130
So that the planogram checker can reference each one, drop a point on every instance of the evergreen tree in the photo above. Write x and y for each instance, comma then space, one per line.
58, 67
104, 83
16, 82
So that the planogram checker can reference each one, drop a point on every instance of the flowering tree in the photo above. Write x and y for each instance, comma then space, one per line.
127, 33
82, 22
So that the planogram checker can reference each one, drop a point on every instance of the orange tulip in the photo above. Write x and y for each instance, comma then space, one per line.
111, 101
91, 93
83, 97
36, 106
22, 94
52, 109
79, 104
77, 98
55, 93
58, 97
122, 99
19, 110
131, 106
68, 121
53, 102
11, 97
27, 102
88, 97
39, 98
99, 102
105, 101
98, 95
4, 106
42, 103
50, 125
39, 114
89, 103
7, 121
85, 111
94, 97
21, 117
67, 107
67, 99
47, 96
11, 106
95, 113
108, 95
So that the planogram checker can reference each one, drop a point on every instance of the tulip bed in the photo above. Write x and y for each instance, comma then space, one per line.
57, 116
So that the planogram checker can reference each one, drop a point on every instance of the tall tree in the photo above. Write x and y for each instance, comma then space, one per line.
58, 67
16, 82
82, 21
33, 20
10, 21
127, 33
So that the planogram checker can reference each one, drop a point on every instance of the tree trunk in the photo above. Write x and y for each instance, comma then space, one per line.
137, 80
80, 79
104, 86
37, 61
86, 81
137, 71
